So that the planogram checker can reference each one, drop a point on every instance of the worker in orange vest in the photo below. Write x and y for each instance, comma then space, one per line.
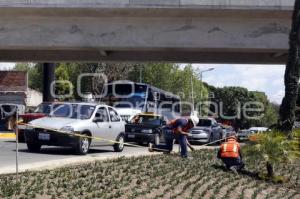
230, 153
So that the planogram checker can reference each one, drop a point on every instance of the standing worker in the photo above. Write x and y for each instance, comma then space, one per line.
230, 153
177, 129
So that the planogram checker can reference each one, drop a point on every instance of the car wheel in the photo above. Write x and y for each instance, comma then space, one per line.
21, 137
83, 145
34, 147
156, 139
118, 147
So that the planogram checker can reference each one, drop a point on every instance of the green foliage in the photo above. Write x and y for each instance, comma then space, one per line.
172, 78
35, 74
273, 148
295, 144
233, 103
169, 77
62, 87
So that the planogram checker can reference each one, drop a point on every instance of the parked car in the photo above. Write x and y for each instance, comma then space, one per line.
226, 130
42, 110
207, 130
258, 129
244, 134
145, 127
82, 118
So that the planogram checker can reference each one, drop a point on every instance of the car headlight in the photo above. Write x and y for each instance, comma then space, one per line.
147, 131
67, 129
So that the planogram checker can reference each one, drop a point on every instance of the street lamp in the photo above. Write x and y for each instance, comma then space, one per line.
192, 85
203, 71
201, 75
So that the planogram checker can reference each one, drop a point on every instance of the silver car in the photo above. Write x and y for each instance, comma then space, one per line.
207, 130
88, 119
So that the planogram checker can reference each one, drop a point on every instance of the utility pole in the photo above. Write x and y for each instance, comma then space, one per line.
200, 76
17, 144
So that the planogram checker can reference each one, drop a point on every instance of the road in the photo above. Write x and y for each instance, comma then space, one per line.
54, 157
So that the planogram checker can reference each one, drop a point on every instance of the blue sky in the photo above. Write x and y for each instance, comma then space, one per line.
266, 78
6, 65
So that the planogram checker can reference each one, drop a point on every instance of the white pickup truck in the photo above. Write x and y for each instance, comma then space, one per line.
89, 119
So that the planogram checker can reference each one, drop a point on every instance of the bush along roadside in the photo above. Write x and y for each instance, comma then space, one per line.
272, 149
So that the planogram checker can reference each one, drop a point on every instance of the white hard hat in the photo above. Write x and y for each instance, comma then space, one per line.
194, 119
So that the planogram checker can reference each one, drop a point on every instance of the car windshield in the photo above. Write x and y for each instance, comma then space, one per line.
46, 108
145, 119
75, 111
204, 122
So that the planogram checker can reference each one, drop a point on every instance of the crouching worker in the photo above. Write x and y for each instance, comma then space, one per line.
230, 154
177, 129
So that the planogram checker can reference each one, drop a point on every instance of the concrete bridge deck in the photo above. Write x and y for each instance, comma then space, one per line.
230, 4
214, 31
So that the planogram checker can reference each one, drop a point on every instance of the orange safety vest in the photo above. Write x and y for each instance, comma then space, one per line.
230, 149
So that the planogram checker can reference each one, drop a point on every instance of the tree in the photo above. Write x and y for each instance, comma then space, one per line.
233, 102
62, 87
172, 78
292, 73
35, 74
112, 71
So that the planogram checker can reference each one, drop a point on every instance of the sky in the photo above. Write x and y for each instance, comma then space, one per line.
266, 78
6, 65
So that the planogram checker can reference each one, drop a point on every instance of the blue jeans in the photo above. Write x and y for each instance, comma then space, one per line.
183, 145
169, 140
236, 162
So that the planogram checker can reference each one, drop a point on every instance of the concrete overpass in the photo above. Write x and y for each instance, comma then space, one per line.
214, 31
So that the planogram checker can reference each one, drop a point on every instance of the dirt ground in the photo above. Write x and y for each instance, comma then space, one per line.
159, 176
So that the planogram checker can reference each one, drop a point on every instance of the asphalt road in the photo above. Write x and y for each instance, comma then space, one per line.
51, 154
53, 157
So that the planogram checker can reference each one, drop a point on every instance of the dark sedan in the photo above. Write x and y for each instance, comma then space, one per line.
145, 127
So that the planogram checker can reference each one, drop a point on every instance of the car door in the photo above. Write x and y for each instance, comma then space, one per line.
100, 126
116, 124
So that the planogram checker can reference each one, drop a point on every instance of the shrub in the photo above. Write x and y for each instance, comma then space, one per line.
272, 148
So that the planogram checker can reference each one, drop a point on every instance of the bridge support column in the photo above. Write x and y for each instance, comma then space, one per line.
48, 78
